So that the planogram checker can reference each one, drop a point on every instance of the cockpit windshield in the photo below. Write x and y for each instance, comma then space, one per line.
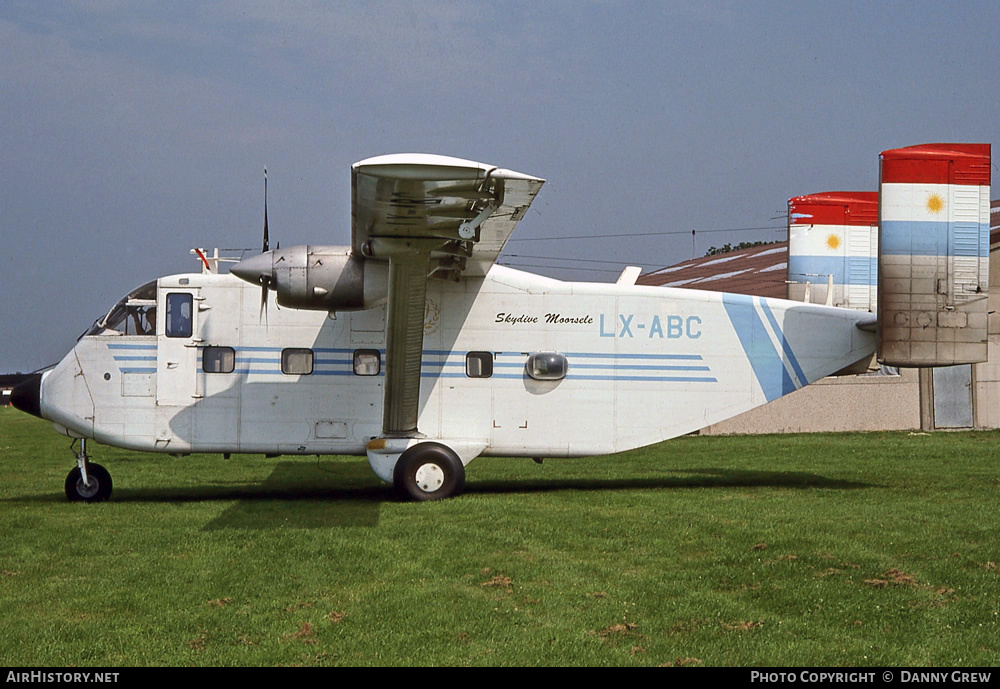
134, 314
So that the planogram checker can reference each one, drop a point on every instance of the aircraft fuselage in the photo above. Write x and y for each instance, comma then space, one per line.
639, 365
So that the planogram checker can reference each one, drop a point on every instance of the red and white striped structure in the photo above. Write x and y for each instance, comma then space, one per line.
933, 273
833, 248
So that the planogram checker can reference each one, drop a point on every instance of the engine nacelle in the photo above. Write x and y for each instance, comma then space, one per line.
319, 278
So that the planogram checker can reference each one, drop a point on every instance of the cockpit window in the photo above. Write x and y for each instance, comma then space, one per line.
134, 314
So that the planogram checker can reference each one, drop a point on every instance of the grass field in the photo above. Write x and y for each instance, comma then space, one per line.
855, 549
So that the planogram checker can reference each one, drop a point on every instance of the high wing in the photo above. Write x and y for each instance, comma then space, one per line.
429, 216
466, 210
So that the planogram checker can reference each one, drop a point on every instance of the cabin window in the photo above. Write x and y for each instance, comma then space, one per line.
297, 362
367, 362
479, 364
547, 366
218, 359
179, 314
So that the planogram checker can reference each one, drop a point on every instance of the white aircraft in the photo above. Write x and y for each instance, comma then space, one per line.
413, 348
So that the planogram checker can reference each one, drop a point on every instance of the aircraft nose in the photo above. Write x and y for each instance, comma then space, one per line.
255, 270
27, 395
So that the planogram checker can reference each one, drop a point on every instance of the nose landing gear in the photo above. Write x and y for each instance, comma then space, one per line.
89, 482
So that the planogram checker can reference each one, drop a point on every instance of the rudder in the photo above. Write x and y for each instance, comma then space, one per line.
933, 266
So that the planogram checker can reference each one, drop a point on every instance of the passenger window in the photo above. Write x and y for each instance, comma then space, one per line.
547, 366
218, 359
367, 362
179, 310
298, 362
479, 364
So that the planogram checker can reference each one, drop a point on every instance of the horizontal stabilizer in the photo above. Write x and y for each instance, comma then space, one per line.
933, 271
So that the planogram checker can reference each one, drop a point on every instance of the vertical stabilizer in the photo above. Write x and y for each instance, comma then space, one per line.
832, 248
933, 272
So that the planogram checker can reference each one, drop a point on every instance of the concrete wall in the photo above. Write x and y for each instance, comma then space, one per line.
986, 377
846, 403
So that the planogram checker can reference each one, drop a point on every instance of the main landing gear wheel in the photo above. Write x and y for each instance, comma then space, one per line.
97, 490
428, 471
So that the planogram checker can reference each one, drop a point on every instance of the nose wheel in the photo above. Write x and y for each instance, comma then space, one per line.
88, 481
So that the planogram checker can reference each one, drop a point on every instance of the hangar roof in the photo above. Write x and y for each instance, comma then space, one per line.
760, 270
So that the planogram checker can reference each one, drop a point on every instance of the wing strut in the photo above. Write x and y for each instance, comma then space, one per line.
404, 343
409, 264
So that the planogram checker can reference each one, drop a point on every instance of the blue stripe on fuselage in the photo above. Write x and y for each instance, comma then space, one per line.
785, 346
767, 365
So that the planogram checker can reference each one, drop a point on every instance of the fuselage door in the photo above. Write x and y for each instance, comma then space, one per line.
177, 347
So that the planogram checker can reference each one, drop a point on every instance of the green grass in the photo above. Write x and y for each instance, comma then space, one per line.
854, 549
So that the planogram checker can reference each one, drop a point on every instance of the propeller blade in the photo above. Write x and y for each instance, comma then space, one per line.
264, 281
264, 250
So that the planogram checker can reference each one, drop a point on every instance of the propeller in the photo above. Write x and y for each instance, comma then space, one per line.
259, 269
265, 280
264, 250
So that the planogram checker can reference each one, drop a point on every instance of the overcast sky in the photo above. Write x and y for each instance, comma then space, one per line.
132, 132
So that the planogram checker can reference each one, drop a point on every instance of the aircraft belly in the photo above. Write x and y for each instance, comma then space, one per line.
128, 424
172, 428
472, 399
302, 416
552, 418
216, 423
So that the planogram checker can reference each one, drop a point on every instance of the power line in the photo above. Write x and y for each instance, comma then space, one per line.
574, 268
649, 234
581, 260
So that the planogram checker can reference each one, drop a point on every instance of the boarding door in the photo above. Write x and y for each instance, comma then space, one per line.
176, 362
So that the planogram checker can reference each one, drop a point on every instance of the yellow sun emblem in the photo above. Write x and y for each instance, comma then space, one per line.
935, 204
833, 241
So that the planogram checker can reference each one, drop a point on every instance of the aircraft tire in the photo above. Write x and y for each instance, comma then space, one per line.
428, 471
99, 489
